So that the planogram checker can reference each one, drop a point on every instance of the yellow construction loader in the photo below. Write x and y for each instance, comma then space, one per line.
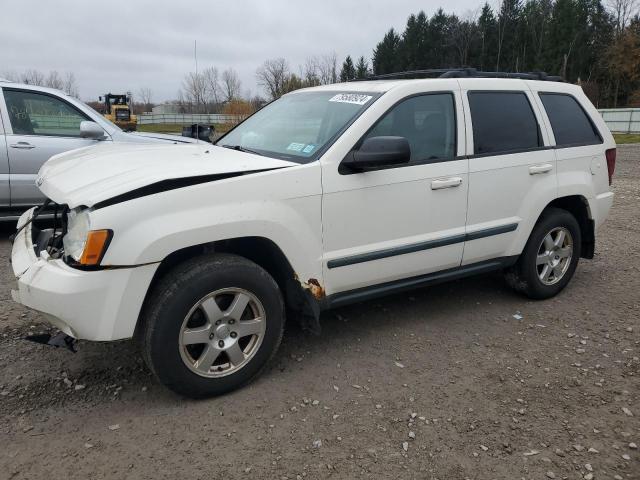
118, 109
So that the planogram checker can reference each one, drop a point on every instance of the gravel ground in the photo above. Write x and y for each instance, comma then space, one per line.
463, 380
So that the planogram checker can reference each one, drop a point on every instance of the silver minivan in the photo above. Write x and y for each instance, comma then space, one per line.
37, 123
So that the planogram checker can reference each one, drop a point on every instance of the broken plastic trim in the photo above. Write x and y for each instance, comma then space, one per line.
36, 212
172, 184
59, 340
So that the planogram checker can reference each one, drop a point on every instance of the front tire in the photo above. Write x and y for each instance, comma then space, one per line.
549, 258
211, 325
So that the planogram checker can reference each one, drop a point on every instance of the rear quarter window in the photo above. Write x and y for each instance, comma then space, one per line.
570, 123
503, 122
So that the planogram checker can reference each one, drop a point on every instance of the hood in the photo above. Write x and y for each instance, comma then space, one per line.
144, 137
94, 174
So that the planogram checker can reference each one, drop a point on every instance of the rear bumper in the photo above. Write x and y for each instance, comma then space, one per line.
92, 305
599, 207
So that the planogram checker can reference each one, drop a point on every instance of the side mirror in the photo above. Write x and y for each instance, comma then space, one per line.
91, 130
378, 152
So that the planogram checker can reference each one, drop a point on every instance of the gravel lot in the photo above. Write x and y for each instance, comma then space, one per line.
447, 382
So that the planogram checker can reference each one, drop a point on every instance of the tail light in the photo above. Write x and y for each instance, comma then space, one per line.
611, 162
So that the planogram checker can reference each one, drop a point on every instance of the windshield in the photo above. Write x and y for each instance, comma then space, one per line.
298, 126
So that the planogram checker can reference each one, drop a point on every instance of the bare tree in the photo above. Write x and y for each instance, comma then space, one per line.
212, 86
231, 85
32, 77
69, 85
10, 75
622, 11
145, 95
310, 71
273, 76
194, 91
54, 80
463, 33
328, 68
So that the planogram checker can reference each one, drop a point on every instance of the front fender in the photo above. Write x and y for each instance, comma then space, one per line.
150, 228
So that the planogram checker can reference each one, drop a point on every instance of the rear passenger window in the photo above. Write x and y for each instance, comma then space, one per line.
503, 122
570, 123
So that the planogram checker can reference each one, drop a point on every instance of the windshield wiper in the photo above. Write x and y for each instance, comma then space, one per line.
242, 149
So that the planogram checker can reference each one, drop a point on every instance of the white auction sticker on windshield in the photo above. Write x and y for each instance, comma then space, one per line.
355, 98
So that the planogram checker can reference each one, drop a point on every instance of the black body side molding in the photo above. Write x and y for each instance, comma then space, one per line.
416, 247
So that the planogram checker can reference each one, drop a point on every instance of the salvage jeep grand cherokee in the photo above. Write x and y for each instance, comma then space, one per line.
327, 196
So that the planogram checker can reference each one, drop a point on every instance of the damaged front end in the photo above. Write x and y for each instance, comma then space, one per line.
45, 230
46, 235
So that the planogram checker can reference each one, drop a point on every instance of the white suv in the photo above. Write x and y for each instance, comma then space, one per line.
327, 196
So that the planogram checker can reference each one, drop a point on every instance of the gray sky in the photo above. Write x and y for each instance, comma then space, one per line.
122, 45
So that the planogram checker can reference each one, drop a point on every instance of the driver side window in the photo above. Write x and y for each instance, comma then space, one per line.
427, 122
33, 113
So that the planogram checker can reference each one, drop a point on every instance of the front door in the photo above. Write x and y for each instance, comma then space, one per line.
402, 221
40, 125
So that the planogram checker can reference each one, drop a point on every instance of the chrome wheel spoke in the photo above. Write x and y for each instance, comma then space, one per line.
548, 243
546, 272
211, 310
235, 354
565, 252
542, 259
249, 327
206, 359
558, 270
238, 306
559, 241
195, 336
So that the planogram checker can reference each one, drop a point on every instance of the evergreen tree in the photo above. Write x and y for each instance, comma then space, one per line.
385, 55
348, 71
362, 68
412, 44
488, 32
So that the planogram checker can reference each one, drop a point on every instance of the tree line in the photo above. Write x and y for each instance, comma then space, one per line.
584, 41
53, 79
589, 42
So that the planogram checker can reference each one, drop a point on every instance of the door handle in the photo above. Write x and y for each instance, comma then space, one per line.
446, 183
538, 169
22, 146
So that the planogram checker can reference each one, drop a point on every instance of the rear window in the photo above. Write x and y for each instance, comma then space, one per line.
503, 122
570, 123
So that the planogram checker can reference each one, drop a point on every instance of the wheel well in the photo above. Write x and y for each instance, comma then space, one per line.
579, 208
303, 299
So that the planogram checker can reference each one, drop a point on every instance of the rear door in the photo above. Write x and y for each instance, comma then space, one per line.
579, 148
38, 125
512, 171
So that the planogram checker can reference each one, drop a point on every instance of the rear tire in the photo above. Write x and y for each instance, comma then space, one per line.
211, 325
549, 258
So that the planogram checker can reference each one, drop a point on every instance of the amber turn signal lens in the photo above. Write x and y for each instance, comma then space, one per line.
97, 243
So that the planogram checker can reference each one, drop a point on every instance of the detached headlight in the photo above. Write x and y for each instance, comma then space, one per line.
84, 245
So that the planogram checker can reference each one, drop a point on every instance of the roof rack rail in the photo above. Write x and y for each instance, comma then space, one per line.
466, 73
411, 74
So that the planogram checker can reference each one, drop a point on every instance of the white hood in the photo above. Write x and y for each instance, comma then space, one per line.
90, 175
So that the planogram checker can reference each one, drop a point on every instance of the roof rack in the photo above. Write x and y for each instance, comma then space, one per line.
465, 73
